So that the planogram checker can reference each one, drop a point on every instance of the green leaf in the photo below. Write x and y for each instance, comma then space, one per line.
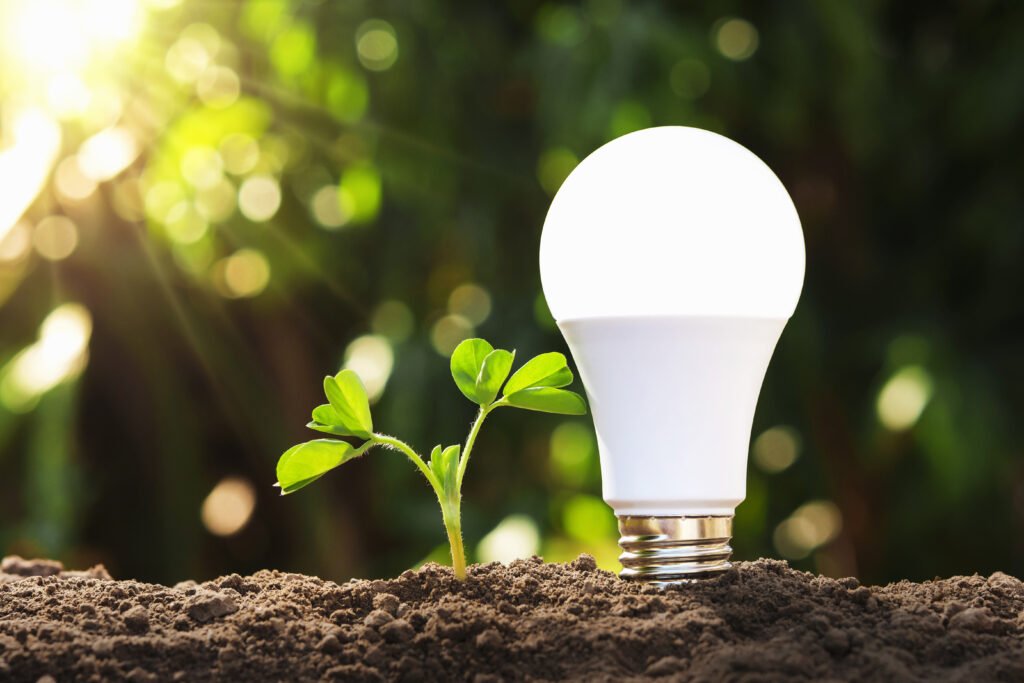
326, 419
285, 490
545, 370
326, 415
347, 395
305, 463
329, 429
548, 400
450, 458
495, 369
437, 463
467, 361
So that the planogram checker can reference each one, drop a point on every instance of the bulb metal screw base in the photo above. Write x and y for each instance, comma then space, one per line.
669, 550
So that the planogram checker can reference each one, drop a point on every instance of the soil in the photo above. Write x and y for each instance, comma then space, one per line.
761, 621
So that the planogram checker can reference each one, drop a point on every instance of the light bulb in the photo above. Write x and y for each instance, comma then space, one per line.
671, 259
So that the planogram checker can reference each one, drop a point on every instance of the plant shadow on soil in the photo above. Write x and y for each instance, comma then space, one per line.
527, 621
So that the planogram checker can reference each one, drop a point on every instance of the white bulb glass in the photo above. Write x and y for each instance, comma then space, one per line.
671, 259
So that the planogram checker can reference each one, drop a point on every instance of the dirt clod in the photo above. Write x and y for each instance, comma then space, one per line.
329, 643
13, 568
136, 619
140, 675
665, 666
397, 631
762, 621
972, 619
17, 566
386, 602
836, 642
489, 639
207, 605
377, 618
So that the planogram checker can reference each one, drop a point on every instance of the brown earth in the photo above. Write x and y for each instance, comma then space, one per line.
529, 621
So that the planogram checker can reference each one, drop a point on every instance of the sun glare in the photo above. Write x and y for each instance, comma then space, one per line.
25, 162
59, 354
63, 36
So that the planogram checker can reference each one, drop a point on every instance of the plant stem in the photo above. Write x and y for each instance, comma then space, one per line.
451, 510
400, 445
453, 525
469, 446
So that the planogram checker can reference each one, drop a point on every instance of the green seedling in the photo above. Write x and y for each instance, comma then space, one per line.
479, 372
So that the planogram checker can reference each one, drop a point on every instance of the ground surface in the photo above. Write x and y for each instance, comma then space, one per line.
532, 621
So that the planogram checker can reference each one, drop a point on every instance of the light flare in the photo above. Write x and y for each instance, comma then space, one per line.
59, 354
107, 153
372, 358
45, 37
26, 162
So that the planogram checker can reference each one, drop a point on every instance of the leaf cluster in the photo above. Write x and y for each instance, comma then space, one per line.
479, 371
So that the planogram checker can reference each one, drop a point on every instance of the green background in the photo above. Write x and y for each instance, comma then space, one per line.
441, 131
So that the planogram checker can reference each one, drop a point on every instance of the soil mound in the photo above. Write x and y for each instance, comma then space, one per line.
528, 621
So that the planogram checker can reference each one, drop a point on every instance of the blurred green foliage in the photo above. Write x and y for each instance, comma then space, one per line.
293, 187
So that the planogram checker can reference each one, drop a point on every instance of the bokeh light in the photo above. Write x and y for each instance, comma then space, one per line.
53, 36
376, 45
239, 153
71, 182
372, 358
201, 166
448, 332
471, 301
15, 244
245, 273
68, 95
904, 397
573, 453
293, 50
327, 209
55, 237
58, 355
32, 140
515, 537
229, 506
812, 525
627, 117
360, 192
259, 198
737, 39
589, 519
218, 86
217, 202
554, 167
776, 449
561, 25
690, 78
107, 153
394, 320
185, 223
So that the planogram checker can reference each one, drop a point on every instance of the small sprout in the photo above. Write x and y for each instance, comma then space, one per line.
479, 371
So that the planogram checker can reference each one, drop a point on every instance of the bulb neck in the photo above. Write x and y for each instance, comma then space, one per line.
679, 549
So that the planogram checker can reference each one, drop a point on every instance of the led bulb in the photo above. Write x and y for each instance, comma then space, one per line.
671, 259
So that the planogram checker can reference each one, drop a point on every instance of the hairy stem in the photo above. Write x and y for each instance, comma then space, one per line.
451, 510
469, 446
453, 525
401, 446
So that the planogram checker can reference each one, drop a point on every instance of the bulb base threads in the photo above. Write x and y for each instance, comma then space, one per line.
667, 550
